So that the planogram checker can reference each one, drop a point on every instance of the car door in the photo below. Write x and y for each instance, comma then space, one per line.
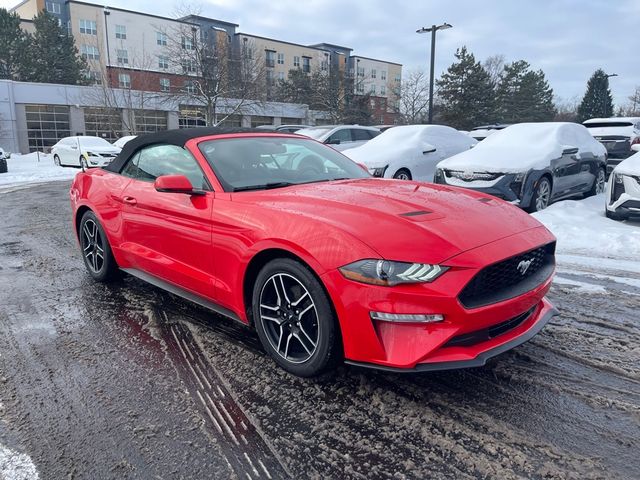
71, 152
168, 235
340, 139
566, 170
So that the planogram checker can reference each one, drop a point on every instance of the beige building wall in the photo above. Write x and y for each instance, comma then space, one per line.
376, 76
29, 9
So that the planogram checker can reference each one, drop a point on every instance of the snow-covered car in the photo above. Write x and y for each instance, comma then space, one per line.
617, 135
4, 155
341, 137
482, 132
623, 188
531, 164
122, 141
410, 152
84, 151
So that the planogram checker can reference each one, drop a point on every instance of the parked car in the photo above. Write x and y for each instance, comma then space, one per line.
341, 137
283, 128
411, 151
84, 151
4, 156
623, 188
530, 164
121, 142
292, 238
617, 135
482, 132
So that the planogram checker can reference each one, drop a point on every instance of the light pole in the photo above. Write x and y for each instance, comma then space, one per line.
433, 29
604, 98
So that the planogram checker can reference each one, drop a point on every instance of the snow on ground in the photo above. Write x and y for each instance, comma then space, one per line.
588, 239
26, 169
16, 466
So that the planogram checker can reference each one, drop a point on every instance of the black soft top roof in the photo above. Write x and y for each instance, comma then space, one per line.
177, 137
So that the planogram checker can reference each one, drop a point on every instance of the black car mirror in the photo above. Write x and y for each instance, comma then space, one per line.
570, 150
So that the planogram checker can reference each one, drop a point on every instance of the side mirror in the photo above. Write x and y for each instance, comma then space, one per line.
335, 141
635, 147
569, 150
175, 184
429, 150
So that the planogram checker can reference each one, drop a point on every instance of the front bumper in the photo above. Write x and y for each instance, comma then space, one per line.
505, 187
625, 201
432, 346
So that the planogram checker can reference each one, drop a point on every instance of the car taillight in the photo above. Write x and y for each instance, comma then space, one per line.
636, 141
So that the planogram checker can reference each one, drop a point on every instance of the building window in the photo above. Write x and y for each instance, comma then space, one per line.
296, 61
88, 27
124, 80
397, 79
324, 65
360, 88
281, 59
103, 122
189, 65
121, 32
372, 89
281, 76
149, 121
165, 85
383, 90
123, 57
361, 71
306, 64
247, 51
383, 75
46, 125
271, 58
373, 73
190, 86
163, 62
257, 121
187, 43
161, 39
89, 52
94, 78
53, 8
191, 116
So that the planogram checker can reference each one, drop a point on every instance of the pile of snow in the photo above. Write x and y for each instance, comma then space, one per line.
25, 169
586, 236
523, 147
16, 466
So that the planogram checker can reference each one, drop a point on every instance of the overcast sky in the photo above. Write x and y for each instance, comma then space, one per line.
568, 39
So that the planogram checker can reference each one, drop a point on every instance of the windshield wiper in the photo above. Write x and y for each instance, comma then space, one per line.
264, 186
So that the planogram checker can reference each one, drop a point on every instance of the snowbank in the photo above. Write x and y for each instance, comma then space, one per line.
25, 169
523, 147
585, 233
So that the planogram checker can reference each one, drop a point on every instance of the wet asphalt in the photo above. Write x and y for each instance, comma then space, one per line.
127, 381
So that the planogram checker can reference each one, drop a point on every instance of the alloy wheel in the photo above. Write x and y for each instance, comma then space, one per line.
542, 198
289, 317
92, 246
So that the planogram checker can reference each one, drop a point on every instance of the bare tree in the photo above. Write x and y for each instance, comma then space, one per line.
632, 107
566, 109
218, 77
413, 94
494, 65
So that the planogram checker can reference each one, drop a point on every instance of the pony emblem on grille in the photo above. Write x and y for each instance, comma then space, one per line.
523, 266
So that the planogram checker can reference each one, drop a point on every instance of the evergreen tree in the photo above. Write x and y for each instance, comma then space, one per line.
13, 45
524, 95
466, 95
55, 55
296, 88
597, 101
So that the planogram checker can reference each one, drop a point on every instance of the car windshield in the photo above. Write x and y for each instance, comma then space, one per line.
314, 133
259, 163
94, 142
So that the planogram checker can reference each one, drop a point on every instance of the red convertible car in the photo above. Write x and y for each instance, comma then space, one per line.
327, 263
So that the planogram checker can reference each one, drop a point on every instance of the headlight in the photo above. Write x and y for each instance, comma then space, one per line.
89, 154
388, 274
618, 179
520, 177
378, 172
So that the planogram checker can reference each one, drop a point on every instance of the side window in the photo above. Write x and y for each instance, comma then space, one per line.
343, 135
153, 162
361, 134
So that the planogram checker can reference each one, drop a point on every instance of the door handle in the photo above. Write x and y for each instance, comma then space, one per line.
130, 201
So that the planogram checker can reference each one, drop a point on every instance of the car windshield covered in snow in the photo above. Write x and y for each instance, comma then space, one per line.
86, 142
263, 163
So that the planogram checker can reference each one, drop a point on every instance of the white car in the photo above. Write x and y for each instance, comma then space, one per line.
121, 142
84, 151
4, 155
617, 134
623, 188
341, 137
410, 152
480, 133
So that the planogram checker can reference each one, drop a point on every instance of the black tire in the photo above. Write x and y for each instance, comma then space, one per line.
614, 216
95, 249
542, 191
599, 183
403, 174
3, 166
56, 161
277, 315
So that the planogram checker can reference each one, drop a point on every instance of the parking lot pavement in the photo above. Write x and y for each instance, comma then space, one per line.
127, 381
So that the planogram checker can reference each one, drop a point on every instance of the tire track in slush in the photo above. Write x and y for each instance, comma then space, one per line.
248, 454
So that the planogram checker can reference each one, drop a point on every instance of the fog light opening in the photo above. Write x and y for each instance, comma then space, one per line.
407, 318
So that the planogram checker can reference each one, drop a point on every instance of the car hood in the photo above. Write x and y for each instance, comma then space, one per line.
404, 221
630, 166
106, 150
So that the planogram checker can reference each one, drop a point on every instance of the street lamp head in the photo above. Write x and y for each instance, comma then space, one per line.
444, 26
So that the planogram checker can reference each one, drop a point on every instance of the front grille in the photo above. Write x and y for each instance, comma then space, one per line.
509, 278
479, 336
473, 176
